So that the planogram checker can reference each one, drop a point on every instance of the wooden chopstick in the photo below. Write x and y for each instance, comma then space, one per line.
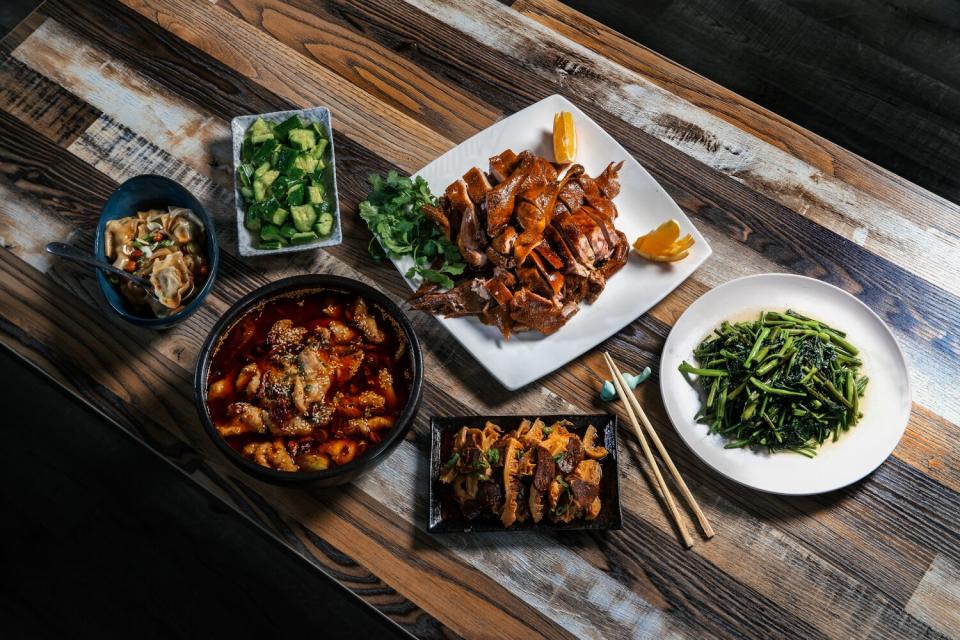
687, 495
664, 489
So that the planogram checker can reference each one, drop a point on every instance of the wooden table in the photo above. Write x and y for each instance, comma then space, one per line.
91, 96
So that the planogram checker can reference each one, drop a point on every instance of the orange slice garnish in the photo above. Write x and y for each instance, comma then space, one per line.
664, 243
564, 137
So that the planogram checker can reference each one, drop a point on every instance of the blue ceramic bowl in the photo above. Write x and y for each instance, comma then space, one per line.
153, 192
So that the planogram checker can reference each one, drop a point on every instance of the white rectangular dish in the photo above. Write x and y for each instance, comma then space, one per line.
643, 205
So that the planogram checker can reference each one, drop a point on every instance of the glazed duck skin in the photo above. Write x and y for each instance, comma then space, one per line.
554, 233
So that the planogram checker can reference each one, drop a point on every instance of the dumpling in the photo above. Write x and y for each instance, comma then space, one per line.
171, 279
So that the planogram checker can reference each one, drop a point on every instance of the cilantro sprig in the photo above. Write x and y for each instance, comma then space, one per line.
393, 213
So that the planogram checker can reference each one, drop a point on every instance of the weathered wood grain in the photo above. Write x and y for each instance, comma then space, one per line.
253, 53
875, 559
824, 155
367, 64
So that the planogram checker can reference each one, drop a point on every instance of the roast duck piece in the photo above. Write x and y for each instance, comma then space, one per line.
537, 242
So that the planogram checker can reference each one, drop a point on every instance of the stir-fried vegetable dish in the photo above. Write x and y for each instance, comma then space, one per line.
781, 382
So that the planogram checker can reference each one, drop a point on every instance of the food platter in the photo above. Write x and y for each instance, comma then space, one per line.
885, 405
445, 517
643, 204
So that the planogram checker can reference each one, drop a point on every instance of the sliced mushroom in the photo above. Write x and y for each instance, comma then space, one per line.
585, 483
572, 455
546, 470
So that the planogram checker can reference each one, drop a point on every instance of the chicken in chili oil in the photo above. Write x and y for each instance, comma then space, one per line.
309, 382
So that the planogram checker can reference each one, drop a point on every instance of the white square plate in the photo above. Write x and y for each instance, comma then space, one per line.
643, 205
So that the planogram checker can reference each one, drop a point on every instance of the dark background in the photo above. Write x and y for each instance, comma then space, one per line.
84, 549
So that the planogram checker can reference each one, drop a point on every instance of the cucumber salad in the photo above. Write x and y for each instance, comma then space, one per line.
281, 182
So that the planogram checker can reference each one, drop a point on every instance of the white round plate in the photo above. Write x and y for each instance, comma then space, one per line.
885, 405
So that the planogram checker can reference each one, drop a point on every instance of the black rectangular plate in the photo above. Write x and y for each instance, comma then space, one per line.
445, 516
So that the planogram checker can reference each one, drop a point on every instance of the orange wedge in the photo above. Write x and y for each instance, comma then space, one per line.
564, 137
664, 243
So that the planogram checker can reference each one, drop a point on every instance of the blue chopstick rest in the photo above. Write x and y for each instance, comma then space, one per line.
608, 392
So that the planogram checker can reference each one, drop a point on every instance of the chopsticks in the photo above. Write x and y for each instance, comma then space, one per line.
634, 410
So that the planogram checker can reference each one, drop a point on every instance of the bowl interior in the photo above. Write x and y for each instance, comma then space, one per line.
153, 192
301, 285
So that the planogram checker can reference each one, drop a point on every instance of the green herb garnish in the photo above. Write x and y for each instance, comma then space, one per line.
557, 457
547, 431
453, 460
493, 456
394, 215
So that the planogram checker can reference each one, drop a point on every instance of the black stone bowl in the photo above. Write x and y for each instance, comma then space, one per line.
303, 285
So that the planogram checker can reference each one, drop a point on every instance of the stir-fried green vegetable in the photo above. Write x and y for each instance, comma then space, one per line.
782, 382
393, 213
281, 182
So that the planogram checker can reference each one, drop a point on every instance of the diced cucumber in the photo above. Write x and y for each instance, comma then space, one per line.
251, 219
318, 129
268, 206
269, 233
247, 193
278, 217
318, 172
262, 169
245, 174
285, 127
295, 173
288, 230
295, 194
302, 139
259, 126
264, 153
303, 217
306, 162
276, 244
286, 158
257, 138
324, 224
268, 178
259, 191
315, 194
303, 237
318, 150
246, 150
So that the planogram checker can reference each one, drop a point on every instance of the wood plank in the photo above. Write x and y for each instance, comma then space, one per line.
371, 66
42, 104
916, 203
256, 55
804, 63
937, 599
